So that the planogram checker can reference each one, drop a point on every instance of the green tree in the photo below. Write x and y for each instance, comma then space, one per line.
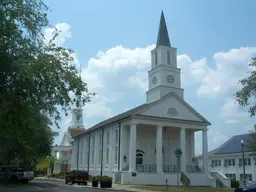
246, 98
35, 78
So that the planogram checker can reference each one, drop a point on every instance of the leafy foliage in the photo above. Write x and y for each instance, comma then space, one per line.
246, 97
35, 79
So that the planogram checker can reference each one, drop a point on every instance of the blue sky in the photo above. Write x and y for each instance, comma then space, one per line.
215, 40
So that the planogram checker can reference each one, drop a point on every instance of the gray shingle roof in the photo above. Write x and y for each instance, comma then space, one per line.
116, 118
233, 145
163, 37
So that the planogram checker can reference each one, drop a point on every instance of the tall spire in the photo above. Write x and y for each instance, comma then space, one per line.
163, 37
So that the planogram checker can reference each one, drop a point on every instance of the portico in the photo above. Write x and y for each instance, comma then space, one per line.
157, 154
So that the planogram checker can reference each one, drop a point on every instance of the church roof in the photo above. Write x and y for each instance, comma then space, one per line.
134, 111
163, 37
119, 117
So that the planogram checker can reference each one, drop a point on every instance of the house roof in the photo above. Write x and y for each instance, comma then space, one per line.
233, 145
134, 111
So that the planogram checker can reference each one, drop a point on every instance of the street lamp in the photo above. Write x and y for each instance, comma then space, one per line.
242, 144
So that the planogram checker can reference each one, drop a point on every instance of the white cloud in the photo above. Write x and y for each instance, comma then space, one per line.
230, 67
217, 138
232, 112
64, 33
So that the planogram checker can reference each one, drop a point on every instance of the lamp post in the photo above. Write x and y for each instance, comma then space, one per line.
242, 144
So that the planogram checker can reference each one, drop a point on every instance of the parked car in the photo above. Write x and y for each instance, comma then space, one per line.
78, 177
16, 173
251, 187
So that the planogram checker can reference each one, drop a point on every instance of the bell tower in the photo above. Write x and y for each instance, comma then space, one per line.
76, 125
164, 76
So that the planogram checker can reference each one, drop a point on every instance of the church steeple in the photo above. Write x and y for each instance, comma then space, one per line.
164, 76
77, 112
163, 37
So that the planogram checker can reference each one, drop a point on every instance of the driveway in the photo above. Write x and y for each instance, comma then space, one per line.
52, 186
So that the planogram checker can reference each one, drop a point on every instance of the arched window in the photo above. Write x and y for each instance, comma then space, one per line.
172, 111
139, 159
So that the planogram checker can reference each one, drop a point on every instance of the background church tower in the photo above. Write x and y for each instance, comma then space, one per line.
76, 125
164, 76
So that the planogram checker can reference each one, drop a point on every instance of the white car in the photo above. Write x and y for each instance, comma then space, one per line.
16, 174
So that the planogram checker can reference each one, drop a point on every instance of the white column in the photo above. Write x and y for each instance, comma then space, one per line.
159, 147
183, 148
132, 155
192, 144
205, 150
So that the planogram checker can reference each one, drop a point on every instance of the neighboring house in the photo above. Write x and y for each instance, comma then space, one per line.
227, 159
63, 152
138, 146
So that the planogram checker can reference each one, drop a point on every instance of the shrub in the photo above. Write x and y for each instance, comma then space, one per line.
234, 183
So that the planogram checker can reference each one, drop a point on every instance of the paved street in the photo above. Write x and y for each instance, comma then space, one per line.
52, 186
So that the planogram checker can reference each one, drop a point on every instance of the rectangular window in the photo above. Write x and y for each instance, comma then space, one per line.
93, 150
247, 177
229, 162
107, 147
168, 57
107, 135
216, 163
247, 161
81, 151
156, 58
107, 156
231, 176
86, 152
116, 146
100, 148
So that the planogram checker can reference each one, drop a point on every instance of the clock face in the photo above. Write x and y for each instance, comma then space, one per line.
154, 80
170, 79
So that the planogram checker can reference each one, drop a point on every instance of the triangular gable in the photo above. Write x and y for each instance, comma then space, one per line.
66, 139
174, 107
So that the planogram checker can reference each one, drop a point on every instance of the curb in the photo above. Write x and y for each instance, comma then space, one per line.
108, 189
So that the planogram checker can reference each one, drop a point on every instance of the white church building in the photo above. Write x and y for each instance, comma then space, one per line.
138, 146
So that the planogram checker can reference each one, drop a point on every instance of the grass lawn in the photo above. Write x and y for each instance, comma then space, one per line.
190, 189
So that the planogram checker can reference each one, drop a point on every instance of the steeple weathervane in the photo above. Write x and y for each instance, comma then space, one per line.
163, 37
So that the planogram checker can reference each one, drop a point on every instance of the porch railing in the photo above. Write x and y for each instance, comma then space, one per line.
195, 168
146, 168
170, 168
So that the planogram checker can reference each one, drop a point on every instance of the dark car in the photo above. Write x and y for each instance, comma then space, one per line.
248, 188
78, 177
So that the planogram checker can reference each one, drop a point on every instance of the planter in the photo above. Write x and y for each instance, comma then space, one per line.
106, 184
95, 183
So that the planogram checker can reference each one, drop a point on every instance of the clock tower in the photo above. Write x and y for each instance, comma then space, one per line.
164, 76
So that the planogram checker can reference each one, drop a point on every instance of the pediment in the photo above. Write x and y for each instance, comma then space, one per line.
173, 107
